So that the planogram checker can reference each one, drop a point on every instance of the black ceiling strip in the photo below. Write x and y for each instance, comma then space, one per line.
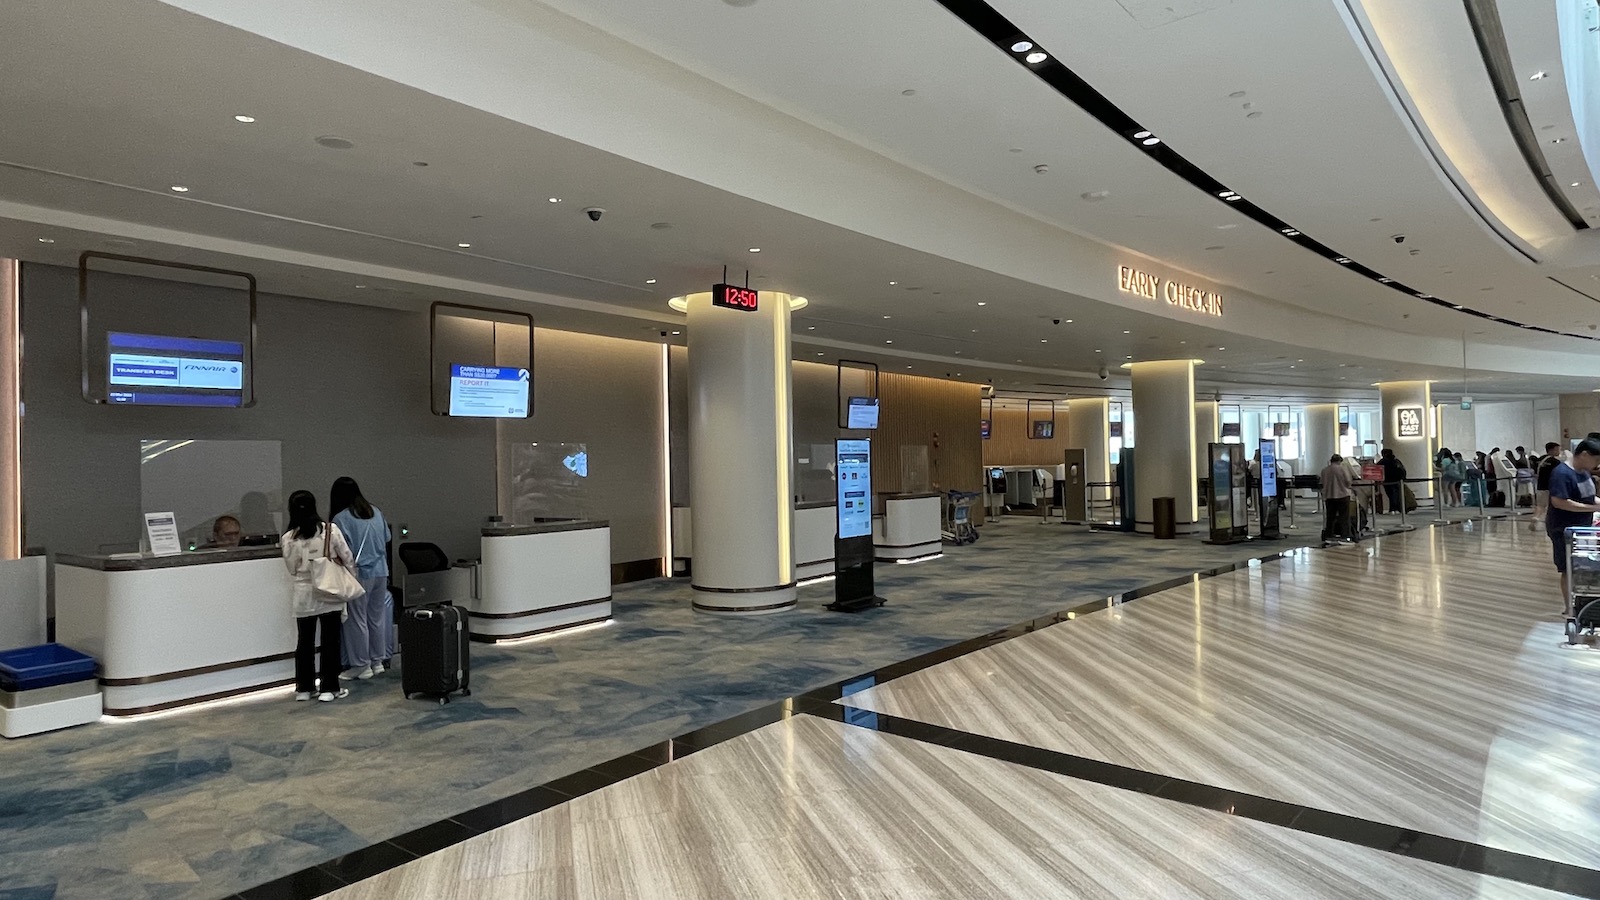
1006, 36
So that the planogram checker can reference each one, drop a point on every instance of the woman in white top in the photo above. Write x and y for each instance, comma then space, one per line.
307, 538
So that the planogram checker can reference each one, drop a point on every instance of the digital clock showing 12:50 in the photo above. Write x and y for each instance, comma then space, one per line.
732, 297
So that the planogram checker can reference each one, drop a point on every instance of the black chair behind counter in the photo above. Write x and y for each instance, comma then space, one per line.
430, 578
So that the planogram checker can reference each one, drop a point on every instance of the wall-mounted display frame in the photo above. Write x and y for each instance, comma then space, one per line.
523, 362
868, 388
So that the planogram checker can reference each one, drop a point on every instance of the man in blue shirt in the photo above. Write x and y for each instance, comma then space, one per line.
1572, 505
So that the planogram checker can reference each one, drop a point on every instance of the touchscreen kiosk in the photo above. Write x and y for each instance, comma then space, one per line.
853, 548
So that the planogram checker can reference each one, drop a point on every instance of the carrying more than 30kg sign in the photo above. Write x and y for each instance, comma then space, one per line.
1408, 421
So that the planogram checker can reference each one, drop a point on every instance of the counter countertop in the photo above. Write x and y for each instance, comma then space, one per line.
544, 527
134, 563
923, 496
817, 504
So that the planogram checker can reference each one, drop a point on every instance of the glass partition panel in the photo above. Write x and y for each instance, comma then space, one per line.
813, 467
203, 481
545, 481
914, 477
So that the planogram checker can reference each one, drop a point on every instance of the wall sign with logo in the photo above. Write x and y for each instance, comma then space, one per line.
1176, 293
1408, 421
731, 297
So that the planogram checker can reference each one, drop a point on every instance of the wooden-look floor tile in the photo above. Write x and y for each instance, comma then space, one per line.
1416, 681
888, 817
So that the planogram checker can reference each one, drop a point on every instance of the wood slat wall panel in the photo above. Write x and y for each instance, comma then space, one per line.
1009, 444
913, 411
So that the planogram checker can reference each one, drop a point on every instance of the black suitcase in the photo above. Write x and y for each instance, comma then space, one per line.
434, 657
1497, 499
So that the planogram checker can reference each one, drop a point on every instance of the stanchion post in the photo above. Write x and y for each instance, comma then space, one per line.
1482, 483
1438, 501
1403, 525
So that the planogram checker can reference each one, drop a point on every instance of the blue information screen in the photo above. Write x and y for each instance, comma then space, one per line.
853, 466
1269, 469
489, 392
152, 370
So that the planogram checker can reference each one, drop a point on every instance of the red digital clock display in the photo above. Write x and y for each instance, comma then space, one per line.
731, 297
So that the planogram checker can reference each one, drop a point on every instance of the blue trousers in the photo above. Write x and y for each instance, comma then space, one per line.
368, 631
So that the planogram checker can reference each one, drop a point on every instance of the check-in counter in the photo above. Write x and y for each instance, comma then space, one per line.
815, 524
174, 630
909, 528
541, 578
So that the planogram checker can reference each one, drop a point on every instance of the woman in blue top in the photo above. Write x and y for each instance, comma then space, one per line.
366, 632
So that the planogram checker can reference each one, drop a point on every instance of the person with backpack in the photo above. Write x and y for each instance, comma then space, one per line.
1394, 474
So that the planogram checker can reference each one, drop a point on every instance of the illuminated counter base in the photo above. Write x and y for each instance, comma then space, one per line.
908, 529
539, 579
171, 631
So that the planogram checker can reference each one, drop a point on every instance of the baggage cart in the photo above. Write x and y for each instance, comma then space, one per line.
1583, 583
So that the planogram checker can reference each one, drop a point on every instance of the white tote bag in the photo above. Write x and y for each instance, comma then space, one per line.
331, 580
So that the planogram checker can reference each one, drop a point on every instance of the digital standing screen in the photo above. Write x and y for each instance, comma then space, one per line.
853, 466
489, 392
152, 370
1269, 469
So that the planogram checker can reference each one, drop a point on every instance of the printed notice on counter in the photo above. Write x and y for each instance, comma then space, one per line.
162, 530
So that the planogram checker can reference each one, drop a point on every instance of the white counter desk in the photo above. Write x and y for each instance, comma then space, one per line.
174, 630
909, 529
541, 578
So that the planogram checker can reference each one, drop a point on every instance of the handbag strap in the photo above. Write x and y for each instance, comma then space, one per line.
327, 540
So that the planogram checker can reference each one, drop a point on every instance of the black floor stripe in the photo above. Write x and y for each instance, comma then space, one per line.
1433, 848
318, 880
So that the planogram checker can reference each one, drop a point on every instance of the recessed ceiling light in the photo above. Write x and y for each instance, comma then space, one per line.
463, 245
1291, 232
1255, 114
983, 303
819, 354
245, 119
1044, 340
908, 367
1457, 306
420, 164
677, 332
1537, 76
1556, 140
1097, 351
361, 287
886, 317
1343, 260
1022, 46
1576, 183
1036, 57
892, 283
333, 142
1151, 141
909, 92
1222, 348
1095, 196
1130, 357
1386, 280
755, 249
1226, 194
47, 240
180, 189
1236, 94
1127, 332
1141, 135
888, 342
558, 200
1068, 321
649, 281
811, 328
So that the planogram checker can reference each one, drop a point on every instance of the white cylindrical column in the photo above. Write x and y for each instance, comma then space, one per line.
1206, 425
741, 456
1322, 435
1408, 428
1164, 457
1089, 429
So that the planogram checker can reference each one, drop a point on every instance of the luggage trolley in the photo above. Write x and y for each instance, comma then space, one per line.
958, 528
1583, 583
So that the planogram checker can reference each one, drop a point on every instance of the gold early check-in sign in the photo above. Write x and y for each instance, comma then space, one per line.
1176, 293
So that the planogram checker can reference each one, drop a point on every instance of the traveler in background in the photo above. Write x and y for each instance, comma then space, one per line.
1491, 470
1541, 482
1452, 472
1572, 505
366, 631
1336, 494
305, 541
1394, 472
1360, 498
1519, 459
225, 533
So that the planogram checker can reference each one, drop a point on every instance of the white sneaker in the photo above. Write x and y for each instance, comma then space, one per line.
377, 668
363, 673
329, 698
368, 671
302, 695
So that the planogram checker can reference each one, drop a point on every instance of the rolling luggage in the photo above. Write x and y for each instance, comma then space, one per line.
1408, 498
435, 659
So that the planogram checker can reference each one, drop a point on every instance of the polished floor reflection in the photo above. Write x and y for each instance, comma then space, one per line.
808, 808
1415, 681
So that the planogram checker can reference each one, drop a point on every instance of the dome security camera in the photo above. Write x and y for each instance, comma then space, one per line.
1398, 238
1104, 373
594, 213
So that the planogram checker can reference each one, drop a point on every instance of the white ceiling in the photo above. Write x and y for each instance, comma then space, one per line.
107, 108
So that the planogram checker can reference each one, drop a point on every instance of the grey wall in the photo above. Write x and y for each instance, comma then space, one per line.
344, 388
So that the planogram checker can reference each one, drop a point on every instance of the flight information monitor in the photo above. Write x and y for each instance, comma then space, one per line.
153, 370
489, 392
853, 466
863, 412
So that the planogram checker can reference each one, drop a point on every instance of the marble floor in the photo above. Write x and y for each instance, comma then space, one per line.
809, 808
1415, 680
214, 802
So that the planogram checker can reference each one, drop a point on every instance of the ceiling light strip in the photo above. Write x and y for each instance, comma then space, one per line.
1005, 35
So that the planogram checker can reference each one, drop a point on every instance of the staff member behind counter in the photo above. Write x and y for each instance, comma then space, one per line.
225, 533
